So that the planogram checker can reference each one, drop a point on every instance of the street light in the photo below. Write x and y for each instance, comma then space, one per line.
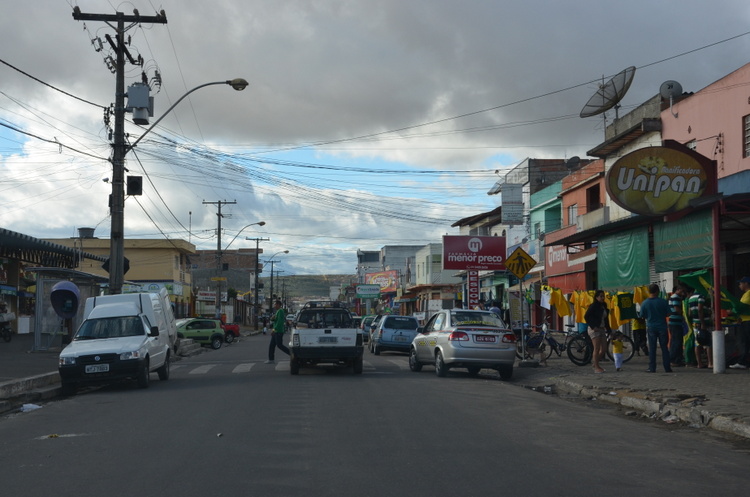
217, 301
271, 261
120, 149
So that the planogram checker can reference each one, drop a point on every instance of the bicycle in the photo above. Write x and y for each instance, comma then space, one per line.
581, 349
545, 343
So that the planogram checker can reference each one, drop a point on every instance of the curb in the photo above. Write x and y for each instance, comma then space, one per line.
665, 410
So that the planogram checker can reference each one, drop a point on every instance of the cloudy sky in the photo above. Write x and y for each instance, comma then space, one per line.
366, 122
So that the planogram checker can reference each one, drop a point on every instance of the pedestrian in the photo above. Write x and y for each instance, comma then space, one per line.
743, 332
655, 311
700, 316
277, 332
597, 319
639, 336
617, 348
675, 326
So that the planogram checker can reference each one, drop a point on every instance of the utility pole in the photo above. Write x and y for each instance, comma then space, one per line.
117, 199
219, 203
256, 307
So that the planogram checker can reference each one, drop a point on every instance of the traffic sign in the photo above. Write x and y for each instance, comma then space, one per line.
520, 263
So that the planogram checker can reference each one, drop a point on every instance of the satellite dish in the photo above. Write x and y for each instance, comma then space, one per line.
609, 94
573, 162
670, 90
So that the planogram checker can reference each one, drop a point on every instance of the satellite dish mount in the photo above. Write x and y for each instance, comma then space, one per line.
669, 90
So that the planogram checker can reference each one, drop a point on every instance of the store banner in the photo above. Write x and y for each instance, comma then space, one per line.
686, 243
622, 260
472, 282
481, 253
386, 280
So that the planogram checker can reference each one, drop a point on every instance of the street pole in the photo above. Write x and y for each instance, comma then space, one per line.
217, 300
117, 200
256, 308
270, 295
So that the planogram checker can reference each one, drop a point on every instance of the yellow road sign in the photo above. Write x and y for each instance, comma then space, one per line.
520, 263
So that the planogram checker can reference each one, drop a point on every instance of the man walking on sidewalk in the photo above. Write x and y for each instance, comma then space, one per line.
277, 334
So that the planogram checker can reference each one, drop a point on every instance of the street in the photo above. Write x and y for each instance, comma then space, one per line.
227, 424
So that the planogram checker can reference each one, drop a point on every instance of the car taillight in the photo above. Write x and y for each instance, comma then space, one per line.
459, 336
509, 338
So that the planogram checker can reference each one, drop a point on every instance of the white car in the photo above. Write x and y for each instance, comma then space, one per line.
462, 338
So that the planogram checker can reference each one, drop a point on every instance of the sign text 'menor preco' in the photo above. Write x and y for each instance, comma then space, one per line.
482, 253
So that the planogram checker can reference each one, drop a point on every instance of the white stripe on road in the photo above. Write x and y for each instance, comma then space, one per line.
243, 368
203, 369
282, 366
400, 364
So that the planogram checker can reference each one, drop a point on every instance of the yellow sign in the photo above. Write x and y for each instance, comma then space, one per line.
520, 263
218, 278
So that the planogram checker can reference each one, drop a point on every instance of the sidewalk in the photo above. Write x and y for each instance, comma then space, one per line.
696, 396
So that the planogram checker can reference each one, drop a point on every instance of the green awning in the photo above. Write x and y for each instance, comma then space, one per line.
622, 259
686, 243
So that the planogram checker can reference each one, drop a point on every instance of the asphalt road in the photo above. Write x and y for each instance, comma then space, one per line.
227, 424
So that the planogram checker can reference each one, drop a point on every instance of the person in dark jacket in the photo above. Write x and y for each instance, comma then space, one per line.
597, 319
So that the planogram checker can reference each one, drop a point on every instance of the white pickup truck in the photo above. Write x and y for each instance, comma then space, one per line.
324, 332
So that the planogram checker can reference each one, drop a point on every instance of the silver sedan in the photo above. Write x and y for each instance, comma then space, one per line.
462, 338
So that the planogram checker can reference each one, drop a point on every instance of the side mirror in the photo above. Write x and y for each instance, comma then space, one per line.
154, 331
420, 330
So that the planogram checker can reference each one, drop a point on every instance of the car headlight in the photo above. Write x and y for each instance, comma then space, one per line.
126, 356
67, 361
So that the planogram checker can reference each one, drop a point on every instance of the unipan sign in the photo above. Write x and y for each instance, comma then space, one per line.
656, 181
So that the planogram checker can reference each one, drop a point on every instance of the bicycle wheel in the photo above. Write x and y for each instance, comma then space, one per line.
579, 351
545, 350
628, 349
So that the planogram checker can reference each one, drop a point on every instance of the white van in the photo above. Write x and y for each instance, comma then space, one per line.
122, 337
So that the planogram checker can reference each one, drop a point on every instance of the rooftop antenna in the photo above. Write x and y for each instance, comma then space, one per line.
609, 94
669, 90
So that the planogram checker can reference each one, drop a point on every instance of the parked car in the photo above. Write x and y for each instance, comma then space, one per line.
462, 338
394, 333
203, 330
371, 328
364, 325
231, 331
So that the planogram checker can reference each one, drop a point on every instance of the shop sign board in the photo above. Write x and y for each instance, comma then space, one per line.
480, 253
368, 291
656, 181
387, 281
512, 206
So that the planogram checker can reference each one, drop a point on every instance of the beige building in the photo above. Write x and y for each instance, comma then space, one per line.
153, 264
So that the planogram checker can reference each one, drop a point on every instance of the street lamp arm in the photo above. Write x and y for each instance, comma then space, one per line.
238, 84
261, 223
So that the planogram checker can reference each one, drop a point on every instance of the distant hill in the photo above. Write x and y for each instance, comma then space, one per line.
307, 286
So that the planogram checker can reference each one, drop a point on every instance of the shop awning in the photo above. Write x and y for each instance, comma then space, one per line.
593, 234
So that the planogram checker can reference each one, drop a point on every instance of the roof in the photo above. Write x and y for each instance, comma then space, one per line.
26, 248
467, 221
617, 142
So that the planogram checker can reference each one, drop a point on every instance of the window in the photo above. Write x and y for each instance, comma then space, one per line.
572, 214
746, 135
593, 198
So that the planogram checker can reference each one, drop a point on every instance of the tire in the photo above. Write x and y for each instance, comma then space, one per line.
229, 337
628, 349
506, 372
69, 388
294, 366
376, 349
357, 365
579, 351
216, 342
441, 369
7, 335
474, 371
414, 363
143, 376
163, 371
545, 351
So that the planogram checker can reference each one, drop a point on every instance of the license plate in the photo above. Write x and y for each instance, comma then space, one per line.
328, 339
484, 338
97, 368
399, 339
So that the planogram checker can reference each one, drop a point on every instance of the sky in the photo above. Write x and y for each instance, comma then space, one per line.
365, 123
